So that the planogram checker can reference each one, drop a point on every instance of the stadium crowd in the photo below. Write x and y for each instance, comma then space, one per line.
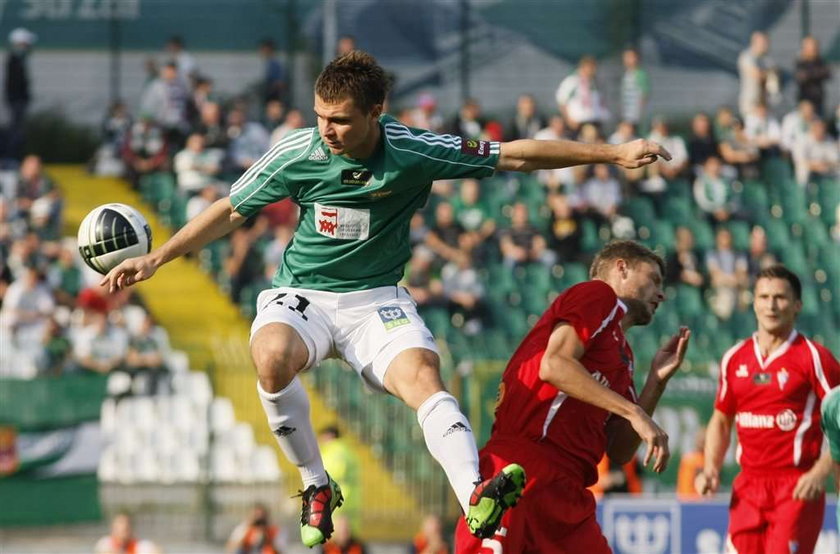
185, 144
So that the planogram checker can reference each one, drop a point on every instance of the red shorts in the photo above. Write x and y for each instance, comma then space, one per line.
764, 517
555, 514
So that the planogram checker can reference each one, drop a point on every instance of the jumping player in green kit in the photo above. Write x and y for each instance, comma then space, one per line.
358, 178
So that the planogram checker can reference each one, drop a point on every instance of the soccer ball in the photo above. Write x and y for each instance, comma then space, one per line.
112, 233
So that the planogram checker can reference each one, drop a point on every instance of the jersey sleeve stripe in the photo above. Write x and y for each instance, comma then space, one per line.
818, 368
398, 128
451, 162
724, 365
606, 320
428, 138
803, 427
266, 181
281, 147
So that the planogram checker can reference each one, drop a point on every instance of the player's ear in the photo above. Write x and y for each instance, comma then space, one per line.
376, 111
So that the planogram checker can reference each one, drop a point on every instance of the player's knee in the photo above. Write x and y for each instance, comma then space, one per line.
276, 367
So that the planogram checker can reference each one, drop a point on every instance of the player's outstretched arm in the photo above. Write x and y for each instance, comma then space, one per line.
561, 367
530, 155
214, 222
718, 435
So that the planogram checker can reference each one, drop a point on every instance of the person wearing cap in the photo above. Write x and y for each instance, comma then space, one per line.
17, 92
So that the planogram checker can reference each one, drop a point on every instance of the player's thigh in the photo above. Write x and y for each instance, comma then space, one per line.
586, 537
747, 524
292, 326
794, 522
372, 336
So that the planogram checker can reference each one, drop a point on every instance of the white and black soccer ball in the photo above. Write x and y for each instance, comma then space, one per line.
112, 233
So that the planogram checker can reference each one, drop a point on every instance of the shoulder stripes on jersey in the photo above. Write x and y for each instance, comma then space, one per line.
288, 144
818, 368
724, 364
807, 415
276, 171
395, 131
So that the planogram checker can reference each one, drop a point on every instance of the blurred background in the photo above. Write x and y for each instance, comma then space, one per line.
138, 409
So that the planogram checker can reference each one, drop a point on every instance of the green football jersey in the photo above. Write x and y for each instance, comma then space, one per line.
354, 214
831, 421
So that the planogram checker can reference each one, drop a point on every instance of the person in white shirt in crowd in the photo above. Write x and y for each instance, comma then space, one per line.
294, 120
600, 196
662, 171
100, 347
763, 129
187, 66
635, 88
758, 74
729, 274
625, 132
463, 288
27, 306
201, 201
165, 102
195, 166
817, 156
248, 140
578, 96
795, 125
555, 178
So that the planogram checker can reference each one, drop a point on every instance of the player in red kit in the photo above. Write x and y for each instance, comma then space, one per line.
567, 396
771, 385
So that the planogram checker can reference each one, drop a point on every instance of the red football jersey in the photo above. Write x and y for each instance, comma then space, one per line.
533, 409
776, 401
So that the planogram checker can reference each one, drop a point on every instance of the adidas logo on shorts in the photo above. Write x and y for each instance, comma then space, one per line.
318, 155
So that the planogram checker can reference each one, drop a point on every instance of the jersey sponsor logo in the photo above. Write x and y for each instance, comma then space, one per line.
762, 378
786, 420
601, 378
342, 223
480, 148
457, 427
742, 371
358, 178
318, 155
782, 377
392, 316
749, 420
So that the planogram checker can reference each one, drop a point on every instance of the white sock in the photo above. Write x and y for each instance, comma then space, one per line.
450, 441
288, 418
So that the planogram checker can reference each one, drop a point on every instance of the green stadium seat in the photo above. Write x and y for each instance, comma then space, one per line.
590, 241
778, 235
704, 236
755, 197
740, 234
640, 210
679, 211
689, 302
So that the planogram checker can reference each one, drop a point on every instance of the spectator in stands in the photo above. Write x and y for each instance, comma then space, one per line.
345, 44
795, 126
661, 133
273, 115
811, 73
64, 277
201, 201
683, 264
426, 115
758, 74
691, 464
115, 128
763, 130
274, 250
243, 263
521, 243
100, 347
565, 229
17, 89
562, 178
343, 541
713, 192
184, 62
212, 128
165, 102
121, 540
615, 478
341, 462
145, 151
294, 120
728, 271
424, 287
248, 140
429, 539
32, 182
527, 122
274, 85
600, 196
635, 88
446, 236
468, 124
464, 289
418, 232
145, 361
626, 132
578, 97
196, 166
724, 117
759, 256
27, 307
702, 143
200, 96
56, 349
818, 155
471, 214
737, 150
257, 535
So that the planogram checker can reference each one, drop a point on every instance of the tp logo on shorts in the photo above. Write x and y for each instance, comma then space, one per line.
392, 316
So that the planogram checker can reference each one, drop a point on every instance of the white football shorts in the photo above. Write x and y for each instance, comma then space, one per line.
367, 329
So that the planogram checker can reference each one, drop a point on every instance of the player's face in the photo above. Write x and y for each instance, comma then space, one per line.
775, 305
642, 291
346, 129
